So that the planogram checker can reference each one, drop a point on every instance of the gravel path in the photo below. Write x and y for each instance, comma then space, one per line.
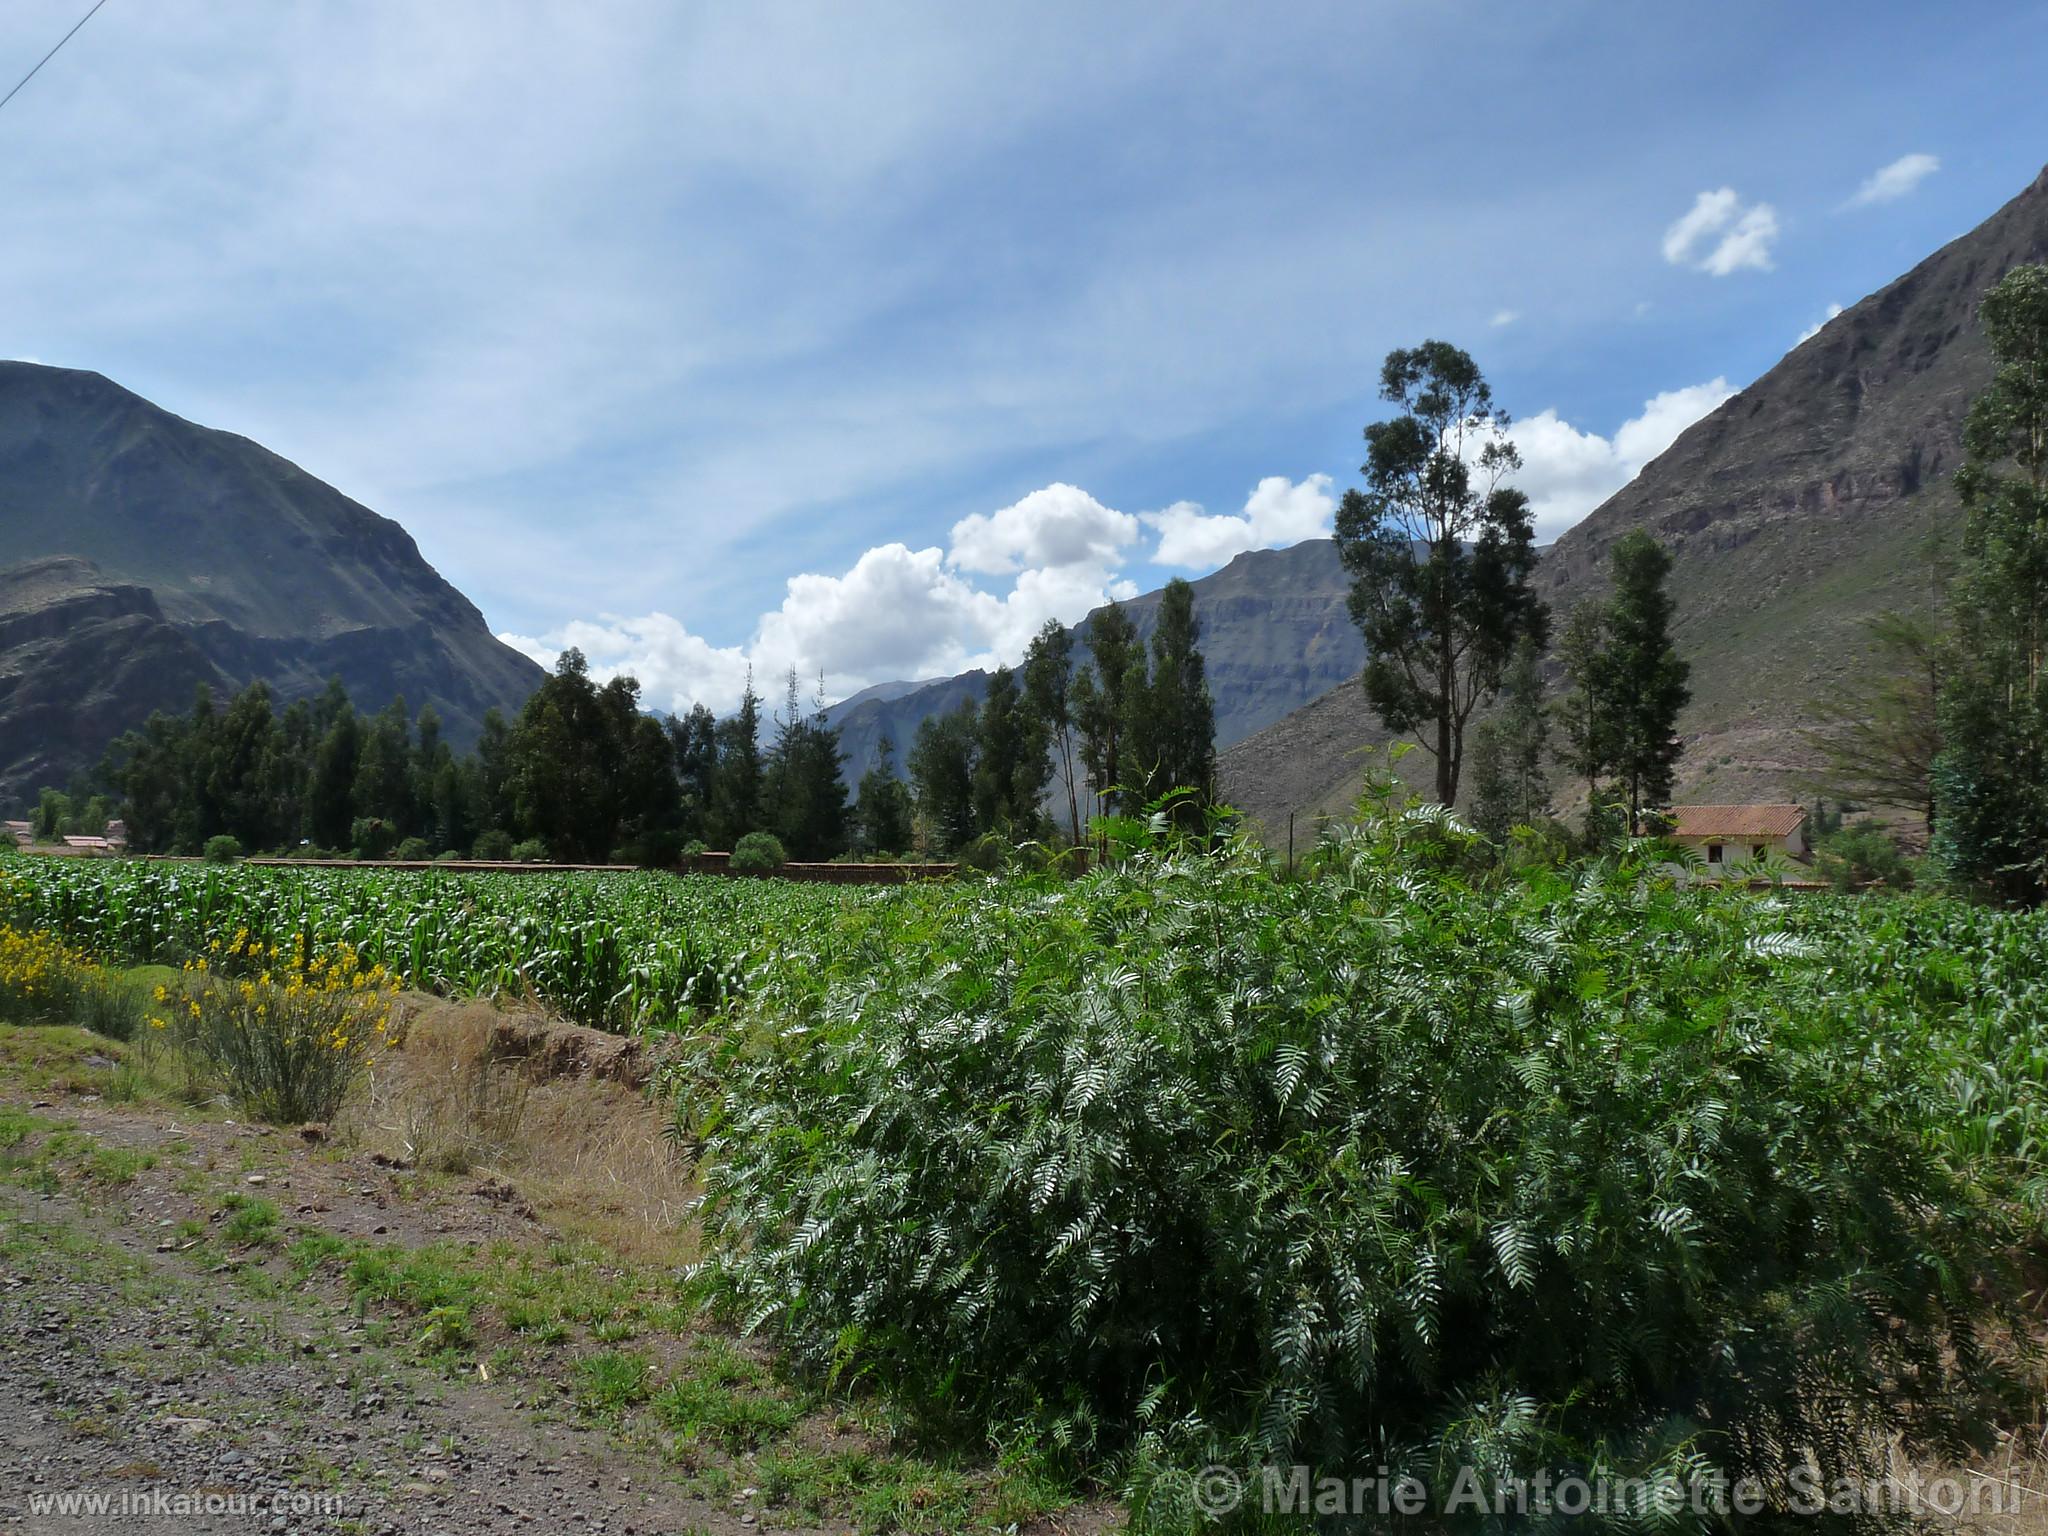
140, 1390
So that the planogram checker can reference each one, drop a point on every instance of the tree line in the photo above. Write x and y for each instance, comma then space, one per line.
584, 774
1110, 732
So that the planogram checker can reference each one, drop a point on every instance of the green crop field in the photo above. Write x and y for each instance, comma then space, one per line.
1416, 1161
615, 951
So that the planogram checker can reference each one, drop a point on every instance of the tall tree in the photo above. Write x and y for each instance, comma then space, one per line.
1170, 719
494, 808
330, 807
1010, 765
694, 738
736, 796
1099, 697
1991, 779
1879, 734
1440, 550
1584, 717
1048, 697
882, 815
942, 763
1645, 678
802, 788
1510, 787
384, 781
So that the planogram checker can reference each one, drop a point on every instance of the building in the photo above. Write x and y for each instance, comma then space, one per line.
23, 832
1727, 835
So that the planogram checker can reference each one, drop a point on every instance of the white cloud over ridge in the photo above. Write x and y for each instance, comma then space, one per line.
1720, 235
1278, 512
1889, 183
1568, 472
1057, 526
897, 612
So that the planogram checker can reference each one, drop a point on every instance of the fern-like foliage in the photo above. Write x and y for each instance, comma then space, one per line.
1397, 1166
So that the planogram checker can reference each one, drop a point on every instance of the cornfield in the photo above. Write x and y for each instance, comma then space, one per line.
617, 952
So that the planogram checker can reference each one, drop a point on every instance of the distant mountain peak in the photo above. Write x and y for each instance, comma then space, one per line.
251, 567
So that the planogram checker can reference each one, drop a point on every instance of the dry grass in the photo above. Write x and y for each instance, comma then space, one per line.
590, 1155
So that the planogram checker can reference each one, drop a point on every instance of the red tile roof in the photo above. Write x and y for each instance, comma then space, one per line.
1736, 820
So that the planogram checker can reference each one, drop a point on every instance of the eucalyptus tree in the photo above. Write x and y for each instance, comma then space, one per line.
1440, 549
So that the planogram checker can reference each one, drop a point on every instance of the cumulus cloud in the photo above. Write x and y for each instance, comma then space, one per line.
1567, 472
1892, 182
1720, 235
1278, 512
1504, 317
897, 612
1060, 525
1814, 329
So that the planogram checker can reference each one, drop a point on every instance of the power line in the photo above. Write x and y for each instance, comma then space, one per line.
24, 80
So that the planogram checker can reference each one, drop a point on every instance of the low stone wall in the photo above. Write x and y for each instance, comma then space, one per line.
710, 863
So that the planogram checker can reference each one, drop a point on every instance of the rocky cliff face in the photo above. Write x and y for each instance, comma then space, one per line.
237, 565
81, 660
1813, 499
1275, 634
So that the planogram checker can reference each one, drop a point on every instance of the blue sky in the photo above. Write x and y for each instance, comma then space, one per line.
864, 338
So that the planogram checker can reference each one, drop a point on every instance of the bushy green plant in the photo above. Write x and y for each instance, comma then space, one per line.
42, 979
1862, 854
1393, 1167
287, 1032
371, 837
530, 851
222, 850
413, 850
758, 853
494, 846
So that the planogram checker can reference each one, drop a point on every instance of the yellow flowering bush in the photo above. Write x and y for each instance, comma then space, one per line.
287, 1032
41, 980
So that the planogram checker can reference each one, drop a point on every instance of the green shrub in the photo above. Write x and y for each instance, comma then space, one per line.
414, 850
288, 1041
42, 980
222, 849
1862, 854
1389, 1168
111, 1005
371, 837
531, 851
758, 853
494, 845
448, 856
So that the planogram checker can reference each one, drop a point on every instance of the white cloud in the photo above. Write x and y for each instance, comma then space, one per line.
1060, 525
1719, 235
1278, 512
1568, 472
895, 613
1814, 329
1894, 181
1504, 317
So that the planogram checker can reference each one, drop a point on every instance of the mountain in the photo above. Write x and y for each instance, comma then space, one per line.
1795, 511
1275, 634
141, 555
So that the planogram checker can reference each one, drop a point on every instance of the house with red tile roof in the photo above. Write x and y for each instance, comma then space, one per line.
1727, 835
